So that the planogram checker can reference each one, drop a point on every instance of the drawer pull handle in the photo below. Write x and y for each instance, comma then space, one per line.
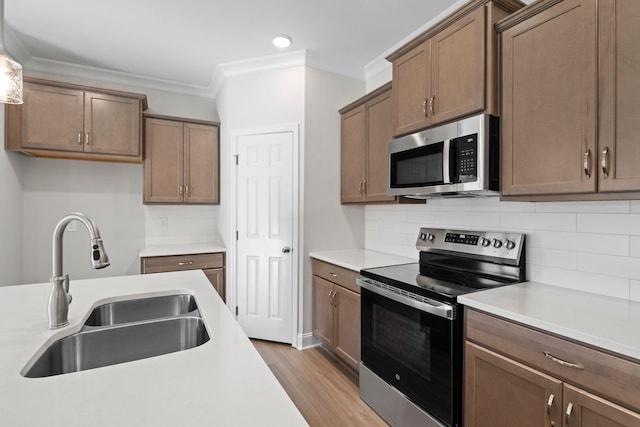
185, 263
559, 361
334, 275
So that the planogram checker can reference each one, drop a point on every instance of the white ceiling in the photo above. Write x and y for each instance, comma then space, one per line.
181, 43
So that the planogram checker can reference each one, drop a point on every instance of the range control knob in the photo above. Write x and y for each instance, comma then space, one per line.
497, 243
486, 242
431, 237
509, 244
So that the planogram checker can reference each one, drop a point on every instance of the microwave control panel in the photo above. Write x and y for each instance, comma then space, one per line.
467, 155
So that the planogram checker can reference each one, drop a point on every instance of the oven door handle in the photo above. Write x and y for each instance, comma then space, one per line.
428, 305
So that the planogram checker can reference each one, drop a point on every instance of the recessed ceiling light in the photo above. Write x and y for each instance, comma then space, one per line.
282, 41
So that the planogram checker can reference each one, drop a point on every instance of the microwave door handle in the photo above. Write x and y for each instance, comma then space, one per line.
446, 149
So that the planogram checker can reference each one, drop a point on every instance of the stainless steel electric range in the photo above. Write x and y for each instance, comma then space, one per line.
411, 350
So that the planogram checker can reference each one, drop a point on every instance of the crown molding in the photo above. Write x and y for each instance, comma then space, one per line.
47, 67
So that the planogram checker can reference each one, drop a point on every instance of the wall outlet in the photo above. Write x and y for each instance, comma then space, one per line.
163, 223
72, 226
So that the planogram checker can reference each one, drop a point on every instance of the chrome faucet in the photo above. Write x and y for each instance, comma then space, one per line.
59, 298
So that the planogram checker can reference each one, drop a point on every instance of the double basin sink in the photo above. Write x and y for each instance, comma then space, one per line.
124, 331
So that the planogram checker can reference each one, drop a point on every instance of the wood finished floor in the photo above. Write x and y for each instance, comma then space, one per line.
323, 388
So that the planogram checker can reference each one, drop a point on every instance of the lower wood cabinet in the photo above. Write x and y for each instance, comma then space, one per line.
336, 311
518, 376
212, 264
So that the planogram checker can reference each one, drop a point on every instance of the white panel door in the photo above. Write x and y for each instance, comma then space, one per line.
265, 235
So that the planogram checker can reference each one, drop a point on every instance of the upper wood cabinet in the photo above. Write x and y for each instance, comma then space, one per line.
451, 70
571, 99
181, 163
61, 120
365, 132
619, 95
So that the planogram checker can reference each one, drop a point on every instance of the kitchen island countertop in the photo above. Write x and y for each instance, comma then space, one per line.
223, 382
604, 322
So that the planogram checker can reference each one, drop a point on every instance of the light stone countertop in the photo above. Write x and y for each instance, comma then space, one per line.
223, 382
181, 249
358, 259
605, 322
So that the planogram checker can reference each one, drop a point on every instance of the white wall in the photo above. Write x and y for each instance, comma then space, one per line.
327, 224
311, 98
10, 214
591, 246
110, 193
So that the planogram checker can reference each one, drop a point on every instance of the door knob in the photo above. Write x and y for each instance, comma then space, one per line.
286, 250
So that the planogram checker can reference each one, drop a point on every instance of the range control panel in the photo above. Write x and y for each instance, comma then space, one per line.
492, 244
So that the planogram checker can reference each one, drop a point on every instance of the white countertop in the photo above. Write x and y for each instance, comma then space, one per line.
223, 382
605, 322
358, 259
181, 249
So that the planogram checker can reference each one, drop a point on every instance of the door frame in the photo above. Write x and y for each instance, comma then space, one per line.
296, 242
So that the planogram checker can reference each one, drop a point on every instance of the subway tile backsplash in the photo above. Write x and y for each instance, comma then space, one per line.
590, 246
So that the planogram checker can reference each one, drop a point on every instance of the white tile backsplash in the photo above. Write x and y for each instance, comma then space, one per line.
169, 225
590, 246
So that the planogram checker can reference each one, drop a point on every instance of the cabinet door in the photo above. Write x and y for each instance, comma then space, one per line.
619, 95
112, 124
201, 151
587, 410
323, 311
216, 277
501, 392
549, 101
378, 113
163, 163
347, 326
52, 118
412, 89
352, 157
458, 69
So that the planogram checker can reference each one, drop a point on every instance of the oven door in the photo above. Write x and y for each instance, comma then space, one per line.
413, 350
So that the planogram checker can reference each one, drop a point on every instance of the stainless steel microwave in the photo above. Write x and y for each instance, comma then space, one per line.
460, 159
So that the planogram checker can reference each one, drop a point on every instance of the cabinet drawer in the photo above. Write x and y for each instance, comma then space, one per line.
182, 262
599, 372
342, 276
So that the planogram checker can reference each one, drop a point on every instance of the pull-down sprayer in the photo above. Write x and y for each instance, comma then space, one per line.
59, 298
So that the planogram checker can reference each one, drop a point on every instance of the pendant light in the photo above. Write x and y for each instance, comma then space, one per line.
10, 71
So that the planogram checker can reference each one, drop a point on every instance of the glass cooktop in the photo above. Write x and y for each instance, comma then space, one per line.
434, 282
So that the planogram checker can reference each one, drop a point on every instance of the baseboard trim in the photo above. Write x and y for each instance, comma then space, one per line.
306, 341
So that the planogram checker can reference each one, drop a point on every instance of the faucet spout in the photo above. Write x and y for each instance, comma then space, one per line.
59, 298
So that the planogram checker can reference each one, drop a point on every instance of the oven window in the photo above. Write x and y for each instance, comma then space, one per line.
403, 340
413, 351
417, 167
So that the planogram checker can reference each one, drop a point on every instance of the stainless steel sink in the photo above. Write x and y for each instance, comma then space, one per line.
97, 347
141, 309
